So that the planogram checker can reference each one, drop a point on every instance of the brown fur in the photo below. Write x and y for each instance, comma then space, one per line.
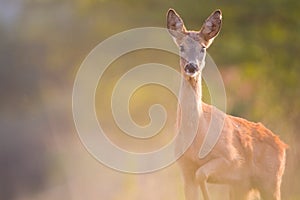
246, 156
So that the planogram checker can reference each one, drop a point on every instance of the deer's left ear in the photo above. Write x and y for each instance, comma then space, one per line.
211, 28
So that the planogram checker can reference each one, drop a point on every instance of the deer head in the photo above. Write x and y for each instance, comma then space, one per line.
193, 44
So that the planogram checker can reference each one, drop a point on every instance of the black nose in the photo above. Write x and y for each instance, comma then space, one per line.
191, 68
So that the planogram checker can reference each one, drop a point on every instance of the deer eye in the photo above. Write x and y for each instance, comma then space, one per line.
181, 48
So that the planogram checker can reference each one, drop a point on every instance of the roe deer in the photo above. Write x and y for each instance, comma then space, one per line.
246, 155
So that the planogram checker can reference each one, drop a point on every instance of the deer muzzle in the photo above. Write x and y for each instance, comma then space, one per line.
191, 69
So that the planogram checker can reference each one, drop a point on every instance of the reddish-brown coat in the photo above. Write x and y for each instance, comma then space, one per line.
246, 155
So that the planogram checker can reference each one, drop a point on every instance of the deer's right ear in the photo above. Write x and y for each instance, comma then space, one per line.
175, 24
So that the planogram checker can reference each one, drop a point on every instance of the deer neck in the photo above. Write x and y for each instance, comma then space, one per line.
189, 112
191, 100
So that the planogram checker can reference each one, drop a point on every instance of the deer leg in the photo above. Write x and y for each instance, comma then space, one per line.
191, 187
270, 191
191, 190
213, 167
204, 190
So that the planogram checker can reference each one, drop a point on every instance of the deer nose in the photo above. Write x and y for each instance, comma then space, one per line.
191, 68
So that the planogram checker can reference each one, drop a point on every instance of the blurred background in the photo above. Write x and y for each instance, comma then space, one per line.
42, 44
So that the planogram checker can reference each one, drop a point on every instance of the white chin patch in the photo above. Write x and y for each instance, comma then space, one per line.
191, 74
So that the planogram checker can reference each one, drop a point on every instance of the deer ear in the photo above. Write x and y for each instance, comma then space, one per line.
175, 24
211, 28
